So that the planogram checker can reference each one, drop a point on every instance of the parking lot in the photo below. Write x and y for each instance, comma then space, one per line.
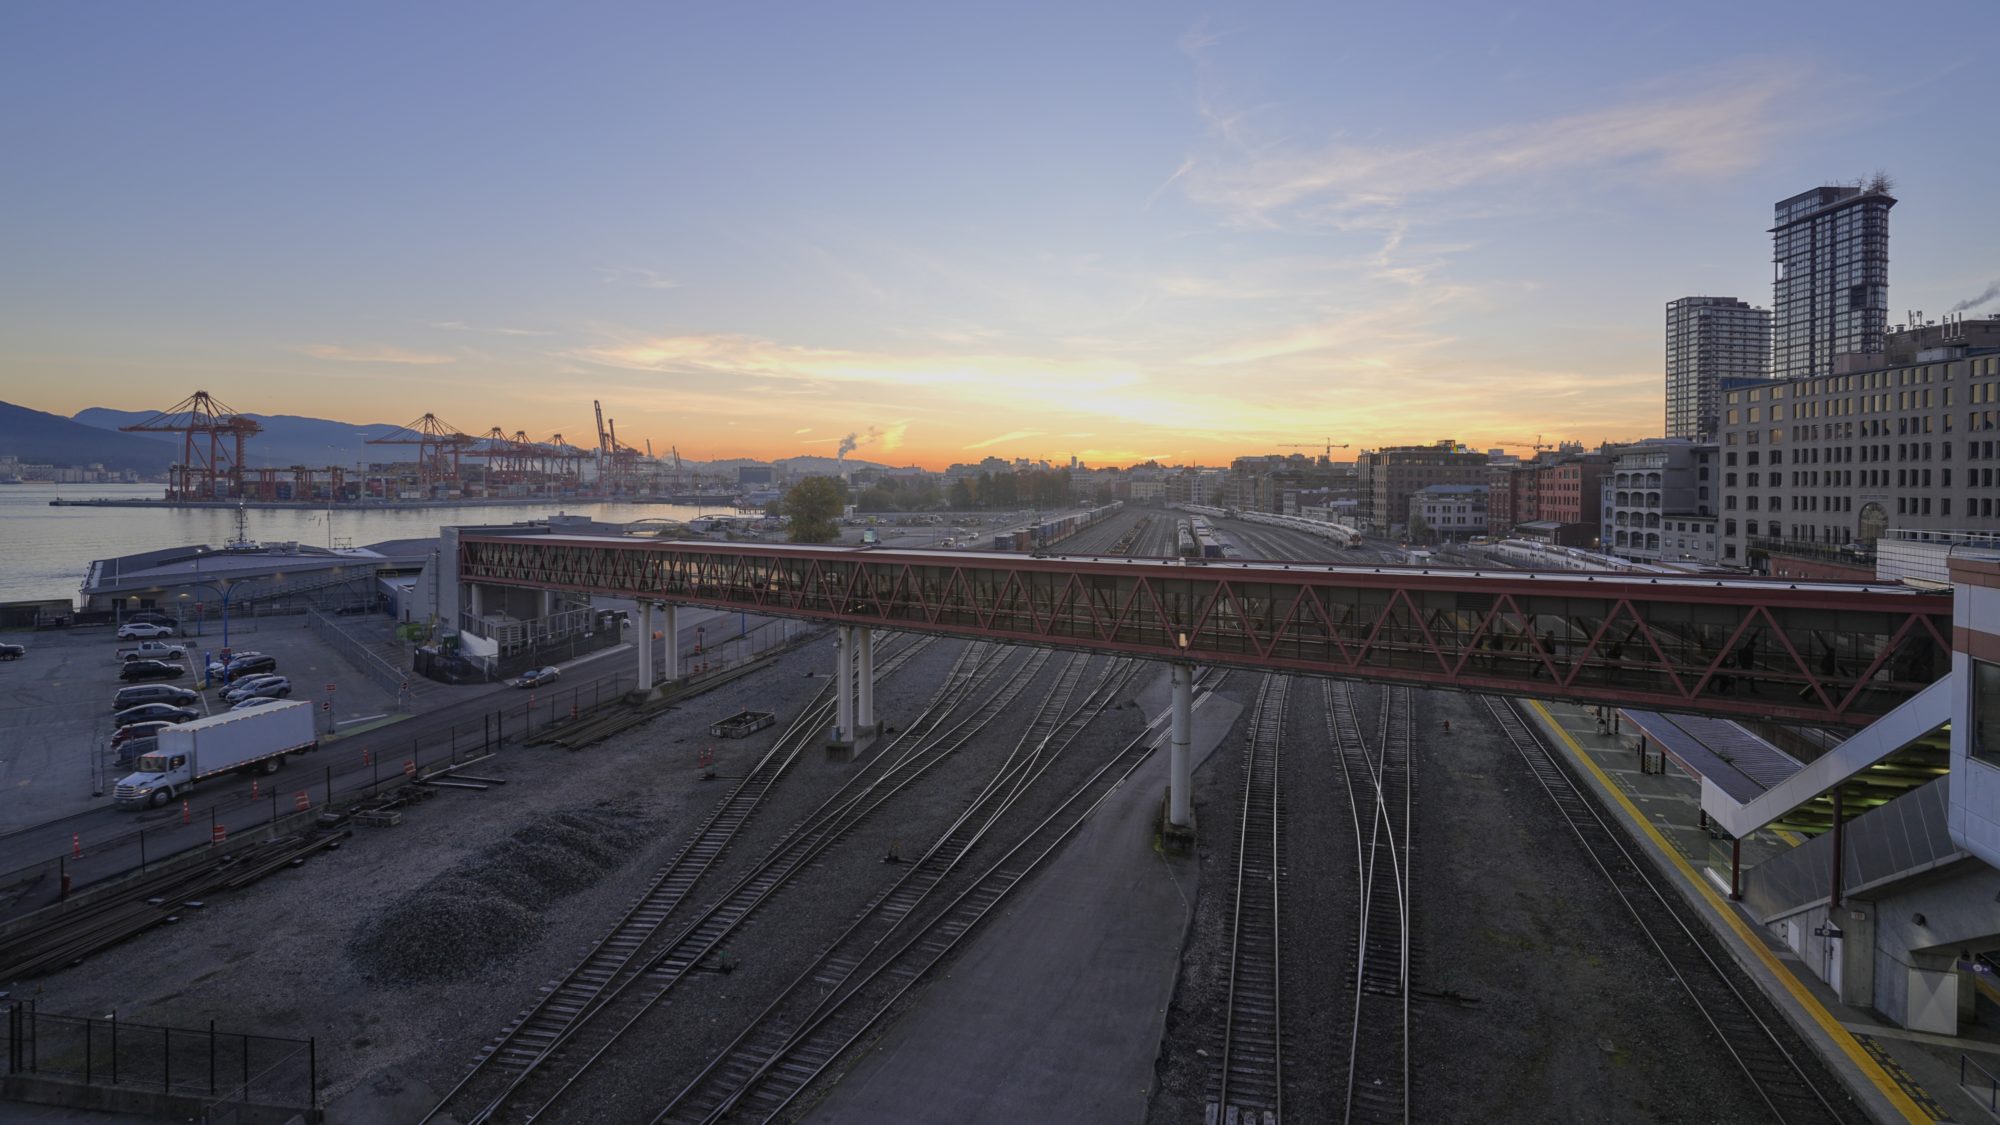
55, 706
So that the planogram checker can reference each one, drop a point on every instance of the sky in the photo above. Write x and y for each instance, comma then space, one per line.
1117, 231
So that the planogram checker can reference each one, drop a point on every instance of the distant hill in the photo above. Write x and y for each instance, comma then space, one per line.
809, 465
51, 439
287, 438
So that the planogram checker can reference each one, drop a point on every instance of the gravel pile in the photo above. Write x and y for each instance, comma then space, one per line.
463, 920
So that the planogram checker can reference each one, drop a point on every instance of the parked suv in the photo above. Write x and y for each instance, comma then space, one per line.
152, 693
148, 617
217, 667
276, 687
149, 712
150, 670
244, 665
143, 630
12, 652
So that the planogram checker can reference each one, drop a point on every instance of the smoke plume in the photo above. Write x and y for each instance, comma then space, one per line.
1992, 291
846, 447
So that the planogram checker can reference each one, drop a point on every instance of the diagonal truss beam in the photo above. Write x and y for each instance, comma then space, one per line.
1835, 654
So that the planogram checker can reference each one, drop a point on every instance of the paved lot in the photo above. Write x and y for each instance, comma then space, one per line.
55, 707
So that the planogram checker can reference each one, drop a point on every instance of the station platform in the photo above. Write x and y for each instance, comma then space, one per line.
1898, 1075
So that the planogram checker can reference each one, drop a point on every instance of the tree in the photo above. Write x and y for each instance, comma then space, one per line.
881, 498
774, 509
814, 507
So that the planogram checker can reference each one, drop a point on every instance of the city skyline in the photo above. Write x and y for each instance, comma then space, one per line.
1130, 233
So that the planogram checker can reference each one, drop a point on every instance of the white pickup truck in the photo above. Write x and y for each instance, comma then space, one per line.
153, 650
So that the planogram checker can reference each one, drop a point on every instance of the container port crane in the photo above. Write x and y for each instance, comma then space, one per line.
212, 437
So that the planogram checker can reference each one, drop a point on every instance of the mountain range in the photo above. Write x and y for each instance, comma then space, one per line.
51, 439
286, 439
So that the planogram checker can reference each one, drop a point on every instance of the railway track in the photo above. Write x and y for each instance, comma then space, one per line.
1249, 1075
1744, 1023
842, 993
1378, 791
609, 963
91, 929
528, 1088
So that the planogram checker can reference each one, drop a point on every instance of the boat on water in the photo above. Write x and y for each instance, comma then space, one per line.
11, 478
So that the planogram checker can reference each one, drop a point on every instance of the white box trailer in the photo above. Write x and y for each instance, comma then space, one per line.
250, 741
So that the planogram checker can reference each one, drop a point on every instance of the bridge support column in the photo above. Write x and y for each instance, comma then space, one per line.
843, 685
671, 625
864, 680
1180, 782
645, 624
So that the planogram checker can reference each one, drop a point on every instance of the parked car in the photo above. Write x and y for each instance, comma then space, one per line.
148, 712
150, 670
153, 693
148, 617
135, 732
154, 650
218, 666
276, 687
255, 701
242, 666
538, 677
136, 747
13, 652
144, 630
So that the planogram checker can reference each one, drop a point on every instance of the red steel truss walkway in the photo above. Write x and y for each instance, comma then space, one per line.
1825, 653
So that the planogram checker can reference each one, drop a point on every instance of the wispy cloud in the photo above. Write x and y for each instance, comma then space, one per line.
803, 430
1719, 126
739, 356
461, 326
374, 355
1011, 435
634, 276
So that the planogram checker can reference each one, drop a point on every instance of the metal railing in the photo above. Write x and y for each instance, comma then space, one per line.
1992, 1091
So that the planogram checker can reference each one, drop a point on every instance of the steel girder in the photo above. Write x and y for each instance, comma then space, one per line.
1835, 654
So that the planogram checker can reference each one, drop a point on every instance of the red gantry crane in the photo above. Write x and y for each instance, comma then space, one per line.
212, 436
439, 445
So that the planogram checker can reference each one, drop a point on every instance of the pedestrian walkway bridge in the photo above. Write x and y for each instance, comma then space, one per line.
1834, 654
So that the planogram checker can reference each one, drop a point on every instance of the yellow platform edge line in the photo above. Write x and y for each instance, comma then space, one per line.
1833, 1028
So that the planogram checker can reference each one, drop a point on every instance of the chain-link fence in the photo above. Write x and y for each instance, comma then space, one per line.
362, 655
224, 1069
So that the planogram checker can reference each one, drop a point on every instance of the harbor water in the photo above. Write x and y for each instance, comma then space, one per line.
45, 551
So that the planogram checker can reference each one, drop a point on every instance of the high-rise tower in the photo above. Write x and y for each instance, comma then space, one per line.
1830, 285
1710, 339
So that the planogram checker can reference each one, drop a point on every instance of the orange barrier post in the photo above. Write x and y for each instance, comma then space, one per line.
76, 845
409, 767
364, 758
253, 788
184, 812
302, 802
218, 834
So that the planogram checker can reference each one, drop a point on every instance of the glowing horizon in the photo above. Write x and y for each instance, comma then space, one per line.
1017, 232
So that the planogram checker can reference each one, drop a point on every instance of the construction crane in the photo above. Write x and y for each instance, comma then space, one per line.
1538, 445
212, 436
603, 442
1328, 445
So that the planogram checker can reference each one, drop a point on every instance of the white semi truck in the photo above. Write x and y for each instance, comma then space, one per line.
250, 741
